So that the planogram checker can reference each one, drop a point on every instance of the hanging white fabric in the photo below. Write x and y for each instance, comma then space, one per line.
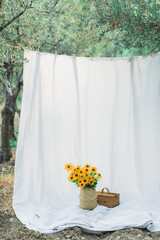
100, 111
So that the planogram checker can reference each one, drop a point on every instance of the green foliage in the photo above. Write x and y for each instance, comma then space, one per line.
19, 99
110, 27
97, 28
30, 30
131, 24
80, 27
13, 143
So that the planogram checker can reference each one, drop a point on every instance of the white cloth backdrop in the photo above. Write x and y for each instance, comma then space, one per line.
98, 111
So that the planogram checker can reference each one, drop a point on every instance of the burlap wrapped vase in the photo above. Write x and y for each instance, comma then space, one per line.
88, 198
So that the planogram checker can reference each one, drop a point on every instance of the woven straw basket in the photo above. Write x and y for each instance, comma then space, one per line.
88, 198
108, 199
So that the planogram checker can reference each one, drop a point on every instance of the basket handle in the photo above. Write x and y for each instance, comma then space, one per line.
106, 189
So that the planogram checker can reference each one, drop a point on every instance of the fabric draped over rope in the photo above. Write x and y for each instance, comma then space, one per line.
100, 111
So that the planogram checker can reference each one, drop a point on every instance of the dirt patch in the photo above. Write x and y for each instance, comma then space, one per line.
12, 228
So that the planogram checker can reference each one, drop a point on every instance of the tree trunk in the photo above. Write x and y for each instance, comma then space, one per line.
11, 126
11, 122
6, 154
13, 105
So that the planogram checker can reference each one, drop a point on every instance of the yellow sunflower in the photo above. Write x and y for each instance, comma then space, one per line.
71, 177
87, 166
85, 180
82, 185
78, 167
81, 172
83, 176
76, 175
68, 167
86, 170
92, 177
80, 180
87, 175
74, 170
93, 170
91, 182
99, 175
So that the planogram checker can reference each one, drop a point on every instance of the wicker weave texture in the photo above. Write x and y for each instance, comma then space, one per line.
88, 198
108, 199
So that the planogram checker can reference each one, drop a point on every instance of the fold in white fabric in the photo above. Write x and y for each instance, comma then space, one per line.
101, 219
98, 111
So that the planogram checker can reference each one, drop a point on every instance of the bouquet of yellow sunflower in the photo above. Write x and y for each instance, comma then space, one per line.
83, 177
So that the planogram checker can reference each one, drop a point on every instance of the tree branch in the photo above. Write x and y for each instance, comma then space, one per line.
53, 45
14, 18
7, 87
2, 66
57, 1
153, 49
18, 86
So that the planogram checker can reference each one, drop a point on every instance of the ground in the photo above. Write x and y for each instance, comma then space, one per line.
12, 228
